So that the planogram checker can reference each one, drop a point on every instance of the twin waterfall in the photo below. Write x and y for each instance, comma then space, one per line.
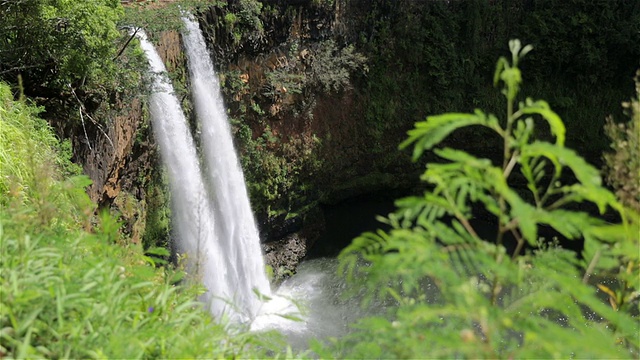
212, 217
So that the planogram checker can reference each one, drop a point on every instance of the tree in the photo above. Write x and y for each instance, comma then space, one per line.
55, 43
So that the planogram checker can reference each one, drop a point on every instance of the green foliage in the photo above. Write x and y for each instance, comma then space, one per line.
20, 132
77, 296
275, 179
75, 61
462, 291
414, 69
65, 151
237, 25
331, 68
623, 164
297, 77
158, 215
53, 43
327, 4
155, 18
283, 80
28, 149
249, 26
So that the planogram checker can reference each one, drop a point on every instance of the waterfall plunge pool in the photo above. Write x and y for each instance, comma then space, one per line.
328, 304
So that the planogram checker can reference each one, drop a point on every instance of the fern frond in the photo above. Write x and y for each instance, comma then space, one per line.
489, 184
434, 129
564, 157
533, 170
542, 108
462, 297
600, 196
570, 224
422, 210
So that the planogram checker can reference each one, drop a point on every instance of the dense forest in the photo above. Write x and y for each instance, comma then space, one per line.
517, 164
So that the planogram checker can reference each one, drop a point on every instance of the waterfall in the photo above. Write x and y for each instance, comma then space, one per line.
212, 217
236, 231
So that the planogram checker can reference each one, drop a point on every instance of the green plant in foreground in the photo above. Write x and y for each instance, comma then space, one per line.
465, 294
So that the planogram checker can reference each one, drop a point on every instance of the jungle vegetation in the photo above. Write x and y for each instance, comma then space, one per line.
72, 284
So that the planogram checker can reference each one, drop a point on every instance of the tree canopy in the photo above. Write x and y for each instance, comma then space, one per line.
53, 43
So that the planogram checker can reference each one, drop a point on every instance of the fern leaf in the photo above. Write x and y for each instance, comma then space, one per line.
560, 156
542, 108
434, 129
421, 209
527, 218
570, 224
616, 233
512, 77
597, 195
463, 157
500, 65
366, 244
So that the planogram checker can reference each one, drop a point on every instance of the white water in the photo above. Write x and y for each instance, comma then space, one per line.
320, 294
213, 219
211, 211
236, 230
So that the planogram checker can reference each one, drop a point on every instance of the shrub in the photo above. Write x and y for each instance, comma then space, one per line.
463, 292
623, 164
331, 68
32, 161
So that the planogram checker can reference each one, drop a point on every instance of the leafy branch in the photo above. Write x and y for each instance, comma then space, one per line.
502, 293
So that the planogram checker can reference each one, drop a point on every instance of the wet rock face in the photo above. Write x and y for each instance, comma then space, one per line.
284, 255
285, 249
114, 162
120, 155
276, 228
107, 161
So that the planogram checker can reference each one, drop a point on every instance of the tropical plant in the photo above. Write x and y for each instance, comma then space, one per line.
464, 291
623, 164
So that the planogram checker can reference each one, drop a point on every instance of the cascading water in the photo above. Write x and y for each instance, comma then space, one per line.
213, 219
236, 230
215, 226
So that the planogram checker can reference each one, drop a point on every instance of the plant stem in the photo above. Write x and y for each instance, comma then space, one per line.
549, 191
510, 165
506, 161
520, 244
507, 134
591, 267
